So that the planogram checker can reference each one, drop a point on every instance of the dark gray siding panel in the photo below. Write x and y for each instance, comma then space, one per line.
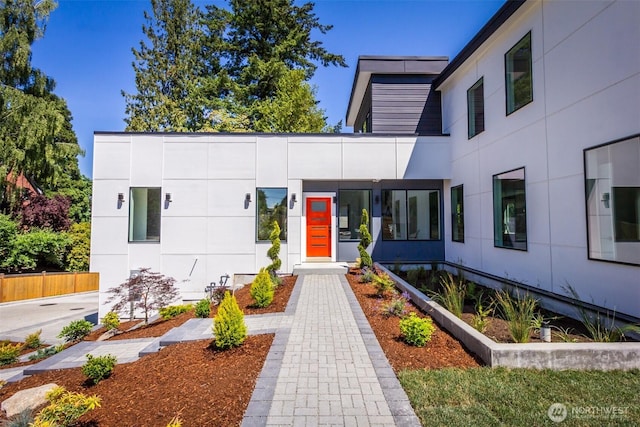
405, 104
365, 108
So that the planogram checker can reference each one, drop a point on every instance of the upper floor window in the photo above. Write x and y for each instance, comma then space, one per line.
144, 214
457, 214
271, 206
509, 210
518, 81
411, 215
475, 108
352, 202
612, 183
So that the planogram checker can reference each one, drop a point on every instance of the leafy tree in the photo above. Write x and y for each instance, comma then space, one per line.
8, 233
147, 290
166, 70
36, 138
46, 213
78, 256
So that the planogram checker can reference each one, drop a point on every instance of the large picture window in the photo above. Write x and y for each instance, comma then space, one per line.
509, 210
612, 183
144, 214
475, 108
271, 206
518, 75
352, 202
457, 214
410, 215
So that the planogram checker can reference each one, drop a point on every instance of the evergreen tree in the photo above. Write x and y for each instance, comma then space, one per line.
166, 71
36, 137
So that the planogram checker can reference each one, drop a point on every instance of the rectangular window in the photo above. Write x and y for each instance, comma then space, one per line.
144, 214
475, 108
457, 214
612, 185
518, 75
411, 215
509, 210
352, 202
271, 206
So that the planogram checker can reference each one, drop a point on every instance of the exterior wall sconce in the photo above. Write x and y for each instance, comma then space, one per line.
605, 199
376, 199
247, 198
120, 198
167, 198
293, 197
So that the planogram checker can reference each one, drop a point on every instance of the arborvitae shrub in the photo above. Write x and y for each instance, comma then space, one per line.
415, 330
203, 308
365, 240
262, 289
274, 251
229, 328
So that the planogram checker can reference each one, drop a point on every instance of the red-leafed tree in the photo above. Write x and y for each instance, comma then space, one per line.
46, 213
146, 290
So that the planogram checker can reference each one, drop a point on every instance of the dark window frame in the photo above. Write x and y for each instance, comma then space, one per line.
130, 239
284, 225
501, 218
455, 215
509, 86
340, 239
408, 214
478, 116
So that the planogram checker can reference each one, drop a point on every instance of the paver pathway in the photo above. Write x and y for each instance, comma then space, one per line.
327, 368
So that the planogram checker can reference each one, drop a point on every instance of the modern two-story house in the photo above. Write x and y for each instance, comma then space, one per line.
519, 158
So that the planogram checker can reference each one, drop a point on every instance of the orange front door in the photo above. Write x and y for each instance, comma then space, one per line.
318, 226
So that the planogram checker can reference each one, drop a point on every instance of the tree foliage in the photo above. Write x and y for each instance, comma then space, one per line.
365, 240
229, 328
77, 258
274, 251
147, 291
40, 249
242, 68
36, 137
46, 213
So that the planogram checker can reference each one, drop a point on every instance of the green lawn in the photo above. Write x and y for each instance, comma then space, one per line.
522, 397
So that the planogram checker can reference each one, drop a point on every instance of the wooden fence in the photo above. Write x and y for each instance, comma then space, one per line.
16, 287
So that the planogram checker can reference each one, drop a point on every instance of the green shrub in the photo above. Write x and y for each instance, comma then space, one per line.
262, 289
43, 353
175, 422
65, 408
367, 277
229, 328
451, 295
78, 256
365, 240
8, 233
383, 284
76, 330
203, 308
172, 311
99, 368
9, 353
520, 314
480, 321
415, 330
396, 307
37, 248
111, 321
33, 340
274, 251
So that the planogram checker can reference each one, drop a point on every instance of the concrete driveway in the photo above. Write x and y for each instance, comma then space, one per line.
21, 318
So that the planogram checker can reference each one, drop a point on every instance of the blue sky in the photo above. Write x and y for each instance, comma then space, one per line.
87, 49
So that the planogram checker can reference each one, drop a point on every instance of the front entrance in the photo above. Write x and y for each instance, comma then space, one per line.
318, 226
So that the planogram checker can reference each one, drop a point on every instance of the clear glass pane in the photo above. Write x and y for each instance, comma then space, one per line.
518, 75
144, 215
352, 202
271, 206
509, 204
394, 215
457, 214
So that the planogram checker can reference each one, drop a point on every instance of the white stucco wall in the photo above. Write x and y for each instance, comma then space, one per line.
586, 92
207, 230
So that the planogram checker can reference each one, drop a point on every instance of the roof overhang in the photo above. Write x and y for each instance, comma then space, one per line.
370, 65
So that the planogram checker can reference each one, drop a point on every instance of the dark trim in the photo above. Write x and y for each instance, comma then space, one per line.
453, 215
150, 242
496, 21
369, 212
406, 197
586, 203
471, 91
506, 82
329, 135
526, 245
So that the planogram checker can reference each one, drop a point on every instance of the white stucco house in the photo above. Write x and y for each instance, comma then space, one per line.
519, 158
